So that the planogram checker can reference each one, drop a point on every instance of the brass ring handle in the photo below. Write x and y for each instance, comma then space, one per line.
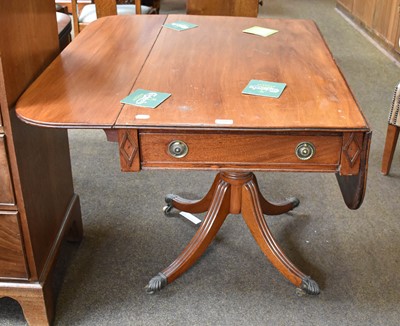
305, 151
178, 149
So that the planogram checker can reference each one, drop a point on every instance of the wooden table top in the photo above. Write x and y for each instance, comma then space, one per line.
204, 68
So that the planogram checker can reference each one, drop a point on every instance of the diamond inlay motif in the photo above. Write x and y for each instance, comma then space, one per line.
352, 149
128, 148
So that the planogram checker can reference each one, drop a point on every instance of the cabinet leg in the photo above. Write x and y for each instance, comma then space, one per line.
36, 301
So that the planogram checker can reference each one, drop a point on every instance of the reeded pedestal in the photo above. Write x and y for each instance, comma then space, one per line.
232, 193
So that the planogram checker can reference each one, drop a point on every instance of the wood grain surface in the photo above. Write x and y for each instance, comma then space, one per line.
205, 69
237, 152
31, 229
84, 85
19, 43
12, 261
6, 188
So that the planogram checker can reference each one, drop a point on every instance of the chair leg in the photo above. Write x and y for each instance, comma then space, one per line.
390, 145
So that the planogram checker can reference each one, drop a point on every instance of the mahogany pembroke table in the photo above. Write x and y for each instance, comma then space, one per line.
207, 123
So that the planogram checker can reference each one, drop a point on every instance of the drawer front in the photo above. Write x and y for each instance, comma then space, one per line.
6, 189
235, 151
12, 260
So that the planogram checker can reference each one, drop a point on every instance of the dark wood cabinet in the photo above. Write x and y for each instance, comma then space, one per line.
38, 207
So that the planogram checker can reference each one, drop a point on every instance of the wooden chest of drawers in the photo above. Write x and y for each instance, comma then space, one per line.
12, 261
12, 258
38, 206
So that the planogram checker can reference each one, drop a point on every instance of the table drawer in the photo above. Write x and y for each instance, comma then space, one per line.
12, 261
233, 151
6, 189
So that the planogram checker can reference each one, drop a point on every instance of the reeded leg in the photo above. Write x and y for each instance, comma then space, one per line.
191, 206
233, 192
269, 208
390, 145
252, 212
213, 220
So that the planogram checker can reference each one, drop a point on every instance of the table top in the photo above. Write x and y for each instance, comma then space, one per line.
204, 68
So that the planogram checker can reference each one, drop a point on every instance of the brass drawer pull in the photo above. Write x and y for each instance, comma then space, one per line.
305, 151
177, 149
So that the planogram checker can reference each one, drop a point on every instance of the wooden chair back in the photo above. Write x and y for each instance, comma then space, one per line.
103, 8
244, 8
109, 7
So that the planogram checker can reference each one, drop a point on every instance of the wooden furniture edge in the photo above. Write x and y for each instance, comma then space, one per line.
37, 298
353, 187
71, 229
